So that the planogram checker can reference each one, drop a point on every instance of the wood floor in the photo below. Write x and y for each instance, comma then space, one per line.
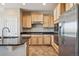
41, 51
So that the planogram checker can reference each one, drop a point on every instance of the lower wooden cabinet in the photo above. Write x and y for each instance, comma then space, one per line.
33, 40
40, 40
47, 39
30, 41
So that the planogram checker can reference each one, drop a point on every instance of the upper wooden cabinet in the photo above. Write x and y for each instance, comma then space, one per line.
62, 7
55, 14
69, 6
48, 21
26, 21
51, 23
37, 17
58, 11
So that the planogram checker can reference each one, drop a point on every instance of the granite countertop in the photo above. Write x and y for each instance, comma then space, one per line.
22, 41
37, 33
10, 37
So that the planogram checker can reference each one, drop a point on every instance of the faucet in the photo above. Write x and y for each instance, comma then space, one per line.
3, 33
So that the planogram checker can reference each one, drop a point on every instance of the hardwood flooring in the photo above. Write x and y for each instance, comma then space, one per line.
41, 51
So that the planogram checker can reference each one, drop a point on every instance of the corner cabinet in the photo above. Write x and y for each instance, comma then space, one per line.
26, 21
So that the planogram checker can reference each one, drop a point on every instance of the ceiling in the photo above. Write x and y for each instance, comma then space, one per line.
32, 6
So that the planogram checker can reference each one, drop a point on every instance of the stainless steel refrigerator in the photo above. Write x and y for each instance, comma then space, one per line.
68, 32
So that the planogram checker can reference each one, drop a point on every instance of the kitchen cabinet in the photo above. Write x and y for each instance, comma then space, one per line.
37, 17
27, 21
69, 6
55, 14
51, 23
34, 40
58, 11
62, 8
48, 21
24, 21
30, 41
47, 39
40, 40
54, 42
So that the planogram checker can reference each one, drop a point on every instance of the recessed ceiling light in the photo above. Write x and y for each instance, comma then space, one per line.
44, 3
24, 3
2, 3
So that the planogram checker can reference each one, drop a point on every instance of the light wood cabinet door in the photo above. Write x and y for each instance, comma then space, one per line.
55, 14
46, 21
30, 41
27, 21
62, 8
69, 6
58, 11
37, 17
51, 21
29, 25
24, 21
47, 39
40, 39
34, 40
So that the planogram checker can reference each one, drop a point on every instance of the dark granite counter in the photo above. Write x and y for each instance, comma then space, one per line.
38, 33
22, 40
10, 37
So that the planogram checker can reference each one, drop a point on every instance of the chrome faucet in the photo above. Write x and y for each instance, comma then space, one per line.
3, 33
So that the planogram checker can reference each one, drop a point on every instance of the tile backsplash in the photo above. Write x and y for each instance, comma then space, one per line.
38, 28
